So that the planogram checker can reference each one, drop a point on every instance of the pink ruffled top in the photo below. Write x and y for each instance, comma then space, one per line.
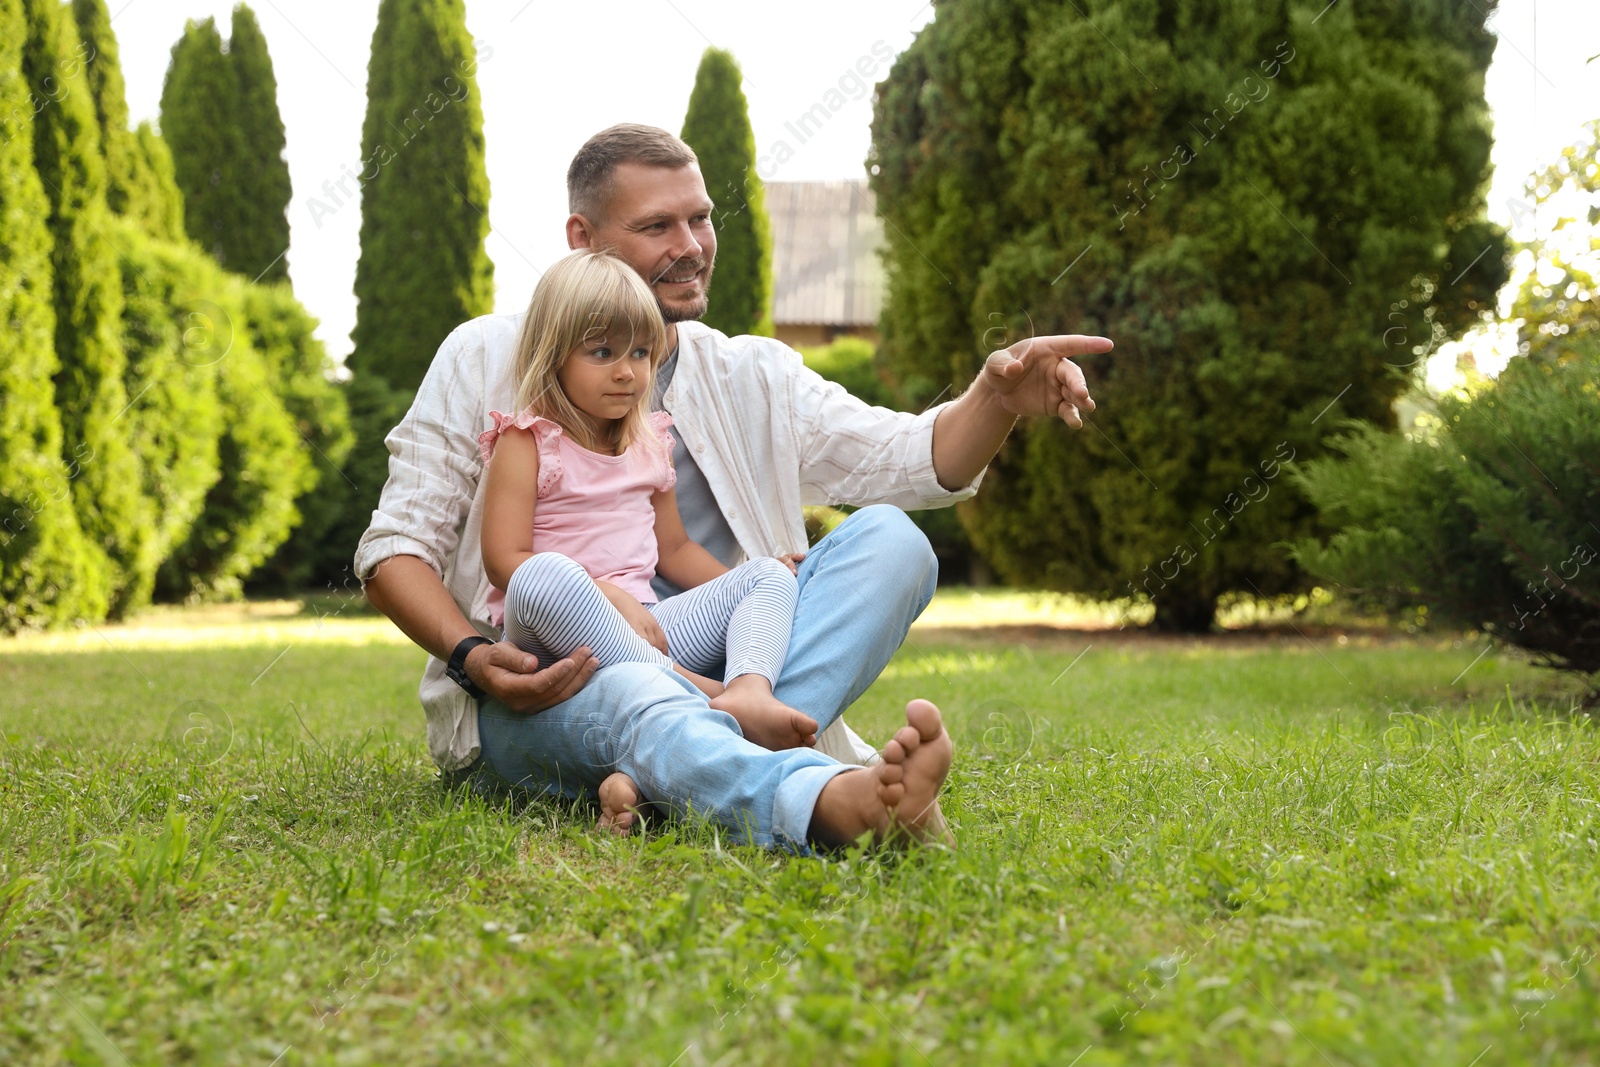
593, 508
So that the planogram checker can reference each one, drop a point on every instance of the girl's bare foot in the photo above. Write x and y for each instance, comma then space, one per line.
619, 799
898, 799
763, 718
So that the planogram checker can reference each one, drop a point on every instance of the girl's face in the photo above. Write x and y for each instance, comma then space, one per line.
604, 375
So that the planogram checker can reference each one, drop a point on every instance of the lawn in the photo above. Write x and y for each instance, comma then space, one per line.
221, 841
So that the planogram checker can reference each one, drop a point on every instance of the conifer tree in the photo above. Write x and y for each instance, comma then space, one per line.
717, 127
1216, 191
424, 211
282, 331
176, 342
423, 268
49, 573
322, 550
199, 125
264, 464
131, 190
110, 94
260, 193
90, 392
156, 204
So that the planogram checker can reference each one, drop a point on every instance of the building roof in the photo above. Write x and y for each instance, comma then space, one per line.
825, 241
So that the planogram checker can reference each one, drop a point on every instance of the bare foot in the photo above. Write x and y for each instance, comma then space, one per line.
709, 686
898, 799
619, 799
762, 717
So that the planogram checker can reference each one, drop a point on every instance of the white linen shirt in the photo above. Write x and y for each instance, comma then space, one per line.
769, 433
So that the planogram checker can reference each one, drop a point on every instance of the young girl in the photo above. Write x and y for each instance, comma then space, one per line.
580, 514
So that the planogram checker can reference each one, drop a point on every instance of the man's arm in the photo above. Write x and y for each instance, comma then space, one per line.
407, 589
1032, 377
852, 453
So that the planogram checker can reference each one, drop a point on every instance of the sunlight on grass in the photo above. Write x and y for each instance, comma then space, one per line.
347, 620
333, 621
961, 608
237, 625
222, 841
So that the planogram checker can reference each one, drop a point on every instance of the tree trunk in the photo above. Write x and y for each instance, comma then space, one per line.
1183, 612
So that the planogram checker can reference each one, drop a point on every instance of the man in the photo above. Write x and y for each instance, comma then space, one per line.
759, 435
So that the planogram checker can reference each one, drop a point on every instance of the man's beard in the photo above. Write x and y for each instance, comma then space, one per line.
694, 310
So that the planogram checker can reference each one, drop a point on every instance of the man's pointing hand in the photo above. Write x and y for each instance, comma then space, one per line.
1036, 376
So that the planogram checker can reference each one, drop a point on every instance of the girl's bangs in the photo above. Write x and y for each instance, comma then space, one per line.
624, 303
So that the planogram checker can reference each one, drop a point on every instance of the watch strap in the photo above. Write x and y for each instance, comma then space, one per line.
456, 669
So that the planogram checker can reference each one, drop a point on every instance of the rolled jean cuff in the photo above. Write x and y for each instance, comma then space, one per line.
796, 800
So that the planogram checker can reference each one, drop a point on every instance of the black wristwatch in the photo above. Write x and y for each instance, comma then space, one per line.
456, 669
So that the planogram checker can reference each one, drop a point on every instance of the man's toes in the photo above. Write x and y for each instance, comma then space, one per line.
925, 717
893, 753
908, 738
891, 794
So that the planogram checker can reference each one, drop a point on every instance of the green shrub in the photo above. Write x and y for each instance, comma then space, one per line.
851, 362
264, 464
90, 394
282, 331
156, 203
375, 409
1486, 516
1213, 186
174, 339
48, 572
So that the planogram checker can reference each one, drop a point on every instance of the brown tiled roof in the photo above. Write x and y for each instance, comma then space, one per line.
825, 241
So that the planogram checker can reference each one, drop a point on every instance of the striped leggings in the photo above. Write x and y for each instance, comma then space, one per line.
741, 618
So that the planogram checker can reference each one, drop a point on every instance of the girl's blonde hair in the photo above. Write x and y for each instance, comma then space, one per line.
586, 295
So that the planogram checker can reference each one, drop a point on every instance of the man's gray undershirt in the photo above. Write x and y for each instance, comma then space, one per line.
702, 515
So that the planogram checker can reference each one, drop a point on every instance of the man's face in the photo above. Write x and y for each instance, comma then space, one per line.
659, 222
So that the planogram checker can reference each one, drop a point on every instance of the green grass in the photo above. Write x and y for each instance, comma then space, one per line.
1248, 849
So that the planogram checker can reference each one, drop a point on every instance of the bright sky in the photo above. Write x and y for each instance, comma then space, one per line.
551, 82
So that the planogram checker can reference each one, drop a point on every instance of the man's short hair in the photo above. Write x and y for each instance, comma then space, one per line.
590, 178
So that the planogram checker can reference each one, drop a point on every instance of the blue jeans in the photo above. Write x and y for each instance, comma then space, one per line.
861, 587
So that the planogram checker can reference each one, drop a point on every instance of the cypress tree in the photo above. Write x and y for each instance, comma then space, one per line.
264, 463
1228, 178
131, 189
282, 331
90, 391
717, 127
156, 204
49, 572
110, 95
423, 268
323, 548
175, 348
258, 235
198, 124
